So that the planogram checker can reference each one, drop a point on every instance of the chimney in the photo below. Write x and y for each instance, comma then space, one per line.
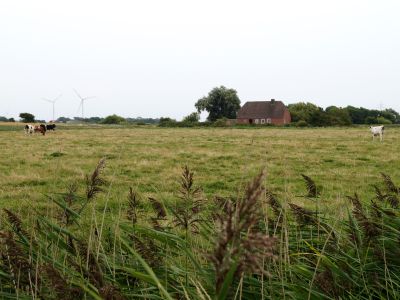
272, 101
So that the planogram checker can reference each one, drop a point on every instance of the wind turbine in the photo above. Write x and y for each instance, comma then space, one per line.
53, 102
83, 99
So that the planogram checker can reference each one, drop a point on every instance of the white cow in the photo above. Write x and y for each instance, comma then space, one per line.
377, 131
29, 129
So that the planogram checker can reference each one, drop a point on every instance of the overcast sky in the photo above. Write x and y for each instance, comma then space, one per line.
156, 58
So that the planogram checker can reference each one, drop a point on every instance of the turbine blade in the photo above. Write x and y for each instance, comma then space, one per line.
76, 92
91, 97
58, 97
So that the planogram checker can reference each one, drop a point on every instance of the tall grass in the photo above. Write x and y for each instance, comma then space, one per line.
249, 246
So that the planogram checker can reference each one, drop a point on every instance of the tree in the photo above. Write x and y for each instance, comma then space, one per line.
303, 111
220, 103
113, 119
192, 118
391, 115
63, 119
27, 117
95, 120
167, 122
338, 116
319, 118
383, 120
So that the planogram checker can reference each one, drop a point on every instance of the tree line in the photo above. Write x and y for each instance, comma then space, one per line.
223, 103
309, 114
112, 119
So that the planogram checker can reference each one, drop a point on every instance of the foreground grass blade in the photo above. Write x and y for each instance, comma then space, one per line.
163, 291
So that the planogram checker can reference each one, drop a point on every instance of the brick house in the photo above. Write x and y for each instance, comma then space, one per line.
264, 112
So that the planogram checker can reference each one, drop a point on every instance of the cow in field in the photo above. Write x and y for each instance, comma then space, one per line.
29, 129
51, 127
41, 128
377, 131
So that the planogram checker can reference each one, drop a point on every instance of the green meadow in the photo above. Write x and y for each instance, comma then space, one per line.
340, 160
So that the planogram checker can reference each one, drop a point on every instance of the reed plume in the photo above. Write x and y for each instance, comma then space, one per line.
236, 243
67, 216
390, 186
59, 284
326, 282
274, 203
95, 182
393, 200
378, 194
158, 208
303, 215
17, 263
111, 292
312, 190
370, 228
15, 222
133, 202
161, 214
148, 250
188, 208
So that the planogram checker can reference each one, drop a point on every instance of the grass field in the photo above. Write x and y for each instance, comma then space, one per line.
341, 160
113, 249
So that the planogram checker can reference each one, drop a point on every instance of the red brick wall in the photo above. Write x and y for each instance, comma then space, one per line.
280, 121
242, 121
287, 116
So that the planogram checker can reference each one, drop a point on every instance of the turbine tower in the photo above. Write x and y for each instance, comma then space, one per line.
83, 99
53, 102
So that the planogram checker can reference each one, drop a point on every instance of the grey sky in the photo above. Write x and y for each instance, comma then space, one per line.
156, 58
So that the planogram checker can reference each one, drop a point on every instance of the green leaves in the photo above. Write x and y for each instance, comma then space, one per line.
221, 102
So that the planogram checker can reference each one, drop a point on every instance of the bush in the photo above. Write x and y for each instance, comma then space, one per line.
167, 122
113, 119
382, 120
192, 118
377, 120
4, 119
220, 122
301, 123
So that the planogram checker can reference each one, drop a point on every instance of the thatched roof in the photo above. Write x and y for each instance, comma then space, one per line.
262, 109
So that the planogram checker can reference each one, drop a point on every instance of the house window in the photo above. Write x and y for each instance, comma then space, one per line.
262, 121
256, 121
269, 121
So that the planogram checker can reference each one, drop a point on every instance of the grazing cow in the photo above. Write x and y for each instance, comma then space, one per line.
41, 128
377, 131
51, 127
29, 129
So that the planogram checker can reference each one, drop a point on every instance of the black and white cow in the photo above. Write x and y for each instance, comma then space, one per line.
29, 129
